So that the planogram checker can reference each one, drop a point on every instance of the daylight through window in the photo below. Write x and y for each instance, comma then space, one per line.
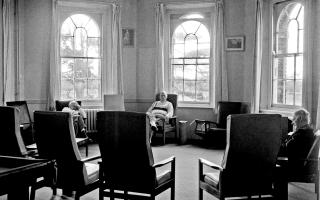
80, 58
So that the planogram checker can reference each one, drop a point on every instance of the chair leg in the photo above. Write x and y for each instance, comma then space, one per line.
87, 151
317, 188
164, 138
33, 193
200, 194
172, 192
125, 195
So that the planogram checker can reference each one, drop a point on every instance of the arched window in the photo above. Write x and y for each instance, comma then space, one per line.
80, 58
190, 63
288, 54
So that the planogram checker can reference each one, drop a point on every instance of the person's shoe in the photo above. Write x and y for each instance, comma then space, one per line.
154, 128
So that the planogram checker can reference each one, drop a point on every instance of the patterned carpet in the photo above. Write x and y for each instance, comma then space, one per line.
186, 174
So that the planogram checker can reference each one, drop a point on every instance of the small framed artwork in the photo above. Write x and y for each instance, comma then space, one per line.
128, 37
235, 43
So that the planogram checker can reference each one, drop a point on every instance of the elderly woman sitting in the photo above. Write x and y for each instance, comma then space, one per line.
298, 144
162, 109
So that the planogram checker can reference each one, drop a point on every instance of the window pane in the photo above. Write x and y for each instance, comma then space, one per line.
66, 46
282, 42
190, 61
94, 68
92, 29
293, 36
278, 92
178, 51
191, 26
93, 47
81, 68
80, 86
299, 67
203, 61
80, 42
301, 41
283, 68
203, 72
203, 91
67, 68
298, 93
189, 91
178, 72
289, 92
203, 34
177, 88
177, 61
67, 28
178, 36
191, 46
94, 89
67, 90
190, 72
80, 20
204, 50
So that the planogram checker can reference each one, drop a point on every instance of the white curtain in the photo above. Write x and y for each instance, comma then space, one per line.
9, 51
316, 59
53, 72
256, 81
220, 72
116, 50
159, 61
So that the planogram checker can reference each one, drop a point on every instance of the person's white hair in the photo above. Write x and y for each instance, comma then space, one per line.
164, 92
302, 117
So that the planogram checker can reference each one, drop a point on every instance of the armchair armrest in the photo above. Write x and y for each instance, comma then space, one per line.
164, 162
212, 165
90, 158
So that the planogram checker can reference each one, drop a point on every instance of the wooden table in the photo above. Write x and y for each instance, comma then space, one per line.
17, 174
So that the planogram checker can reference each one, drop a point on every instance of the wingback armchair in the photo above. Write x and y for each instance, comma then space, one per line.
247, 169
26, 124
127, 168
172, 125
55, 139
217, 130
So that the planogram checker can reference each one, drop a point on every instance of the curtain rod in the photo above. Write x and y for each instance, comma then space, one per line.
90, 2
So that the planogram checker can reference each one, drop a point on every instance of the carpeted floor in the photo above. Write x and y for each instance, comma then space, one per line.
186, 174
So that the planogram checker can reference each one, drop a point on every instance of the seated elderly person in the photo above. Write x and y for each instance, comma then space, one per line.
78, 115
162, 109
298, 144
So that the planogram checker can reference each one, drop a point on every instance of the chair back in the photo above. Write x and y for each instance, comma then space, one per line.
253, 142
172, 98
224, 109
61, 104
312, 160
55, 139
113, 102
11, 141
127, 157
24, 114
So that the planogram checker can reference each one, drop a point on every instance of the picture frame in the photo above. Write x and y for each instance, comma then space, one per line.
128, 37
235, 43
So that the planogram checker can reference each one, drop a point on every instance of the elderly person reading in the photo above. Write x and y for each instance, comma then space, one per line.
162, 109
78, 115
298, 144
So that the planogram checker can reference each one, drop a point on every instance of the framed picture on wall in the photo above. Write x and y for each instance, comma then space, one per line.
128, 37
235, 43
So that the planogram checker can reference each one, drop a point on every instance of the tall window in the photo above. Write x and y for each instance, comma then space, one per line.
190, 60
287, 69
80, 58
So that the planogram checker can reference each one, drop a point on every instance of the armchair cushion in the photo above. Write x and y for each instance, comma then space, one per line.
212, 178
164, 177
92, 171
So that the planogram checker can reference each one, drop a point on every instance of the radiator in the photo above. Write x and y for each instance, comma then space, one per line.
91, 119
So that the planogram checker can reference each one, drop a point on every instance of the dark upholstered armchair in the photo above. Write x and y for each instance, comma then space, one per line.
26, 124
127, 166
172, 125
55, 138
247, 169
11, 141
209, 129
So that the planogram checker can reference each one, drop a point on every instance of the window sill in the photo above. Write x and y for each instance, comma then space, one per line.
286, 112
205, 106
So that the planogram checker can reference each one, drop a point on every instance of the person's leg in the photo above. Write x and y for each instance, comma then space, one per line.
152, 121
82, 127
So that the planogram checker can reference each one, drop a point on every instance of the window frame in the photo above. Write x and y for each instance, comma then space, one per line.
92, 9
172, 24
273, 22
